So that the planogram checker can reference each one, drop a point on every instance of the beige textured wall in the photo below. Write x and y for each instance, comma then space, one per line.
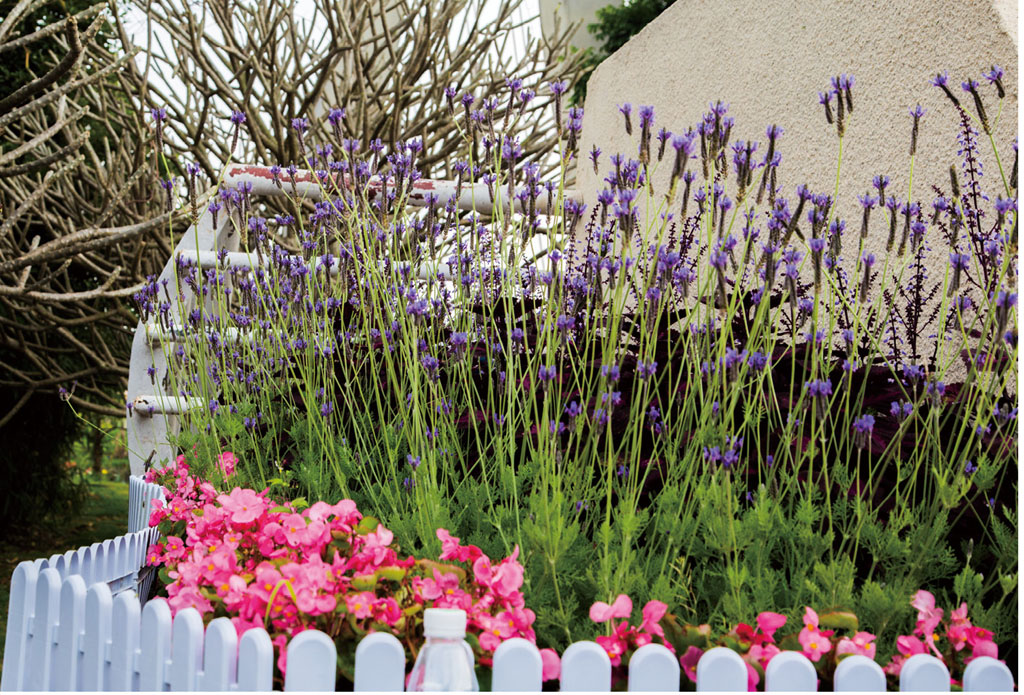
769, 59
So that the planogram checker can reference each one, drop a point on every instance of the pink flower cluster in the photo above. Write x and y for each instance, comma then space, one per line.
959, 634
757, 647
495, 607
325, 567
624, 636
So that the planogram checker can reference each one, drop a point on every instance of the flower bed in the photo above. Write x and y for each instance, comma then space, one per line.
718, 403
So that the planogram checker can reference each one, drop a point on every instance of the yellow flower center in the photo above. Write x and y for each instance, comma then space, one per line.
814, 645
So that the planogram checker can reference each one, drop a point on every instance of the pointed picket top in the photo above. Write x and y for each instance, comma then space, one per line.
721, 670
380, 664
858, 673
586, 666
41, 643
19, 614
312, 662
924, 673
653, 668
517, 667
124, 642
987, 674
155, 641
99, 608
255, 661
186, 650
71, 624
220, 648
790, 671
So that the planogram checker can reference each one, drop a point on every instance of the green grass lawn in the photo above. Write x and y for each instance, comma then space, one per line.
104, 515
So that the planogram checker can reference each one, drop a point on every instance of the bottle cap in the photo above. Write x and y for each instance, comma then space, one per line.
444, 622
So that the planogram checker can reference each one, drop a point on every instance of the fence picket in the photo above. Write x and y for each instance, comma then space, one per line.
186, 651
59, 563
155, 640
585, 666
71, 624
924, 673
653, 668
99, 560
380, 664
124, 643
99, 608
255, 661
721, 670
517, 667
220, 648
791, 671
858, 673
41, 638
312, 662
19, 620
987, 674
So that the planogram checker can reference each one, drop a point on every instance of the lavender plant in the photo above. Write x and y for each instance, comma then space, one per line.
732, 408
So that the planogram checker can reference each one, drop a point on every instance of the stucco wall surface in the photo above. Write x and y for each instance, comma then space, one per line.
769, 59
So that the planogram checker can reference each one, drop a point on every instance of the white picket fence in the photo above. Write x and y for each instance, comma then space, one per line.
63, 634
140, 502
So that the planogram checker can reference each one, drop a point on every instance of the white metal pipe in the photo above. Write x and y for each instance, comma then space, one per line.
472, 196
163, 404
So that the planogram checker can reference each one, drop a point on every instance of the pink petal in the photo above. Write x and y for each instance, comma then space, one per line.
689, 662
770, 622
552, 664
623, 607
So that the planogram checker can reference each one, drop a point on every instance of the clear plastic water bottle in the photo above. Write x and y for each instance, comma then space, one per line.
446, 661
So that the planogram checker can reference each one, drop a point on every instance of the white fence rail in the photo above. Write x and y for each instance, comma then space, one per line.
62, 635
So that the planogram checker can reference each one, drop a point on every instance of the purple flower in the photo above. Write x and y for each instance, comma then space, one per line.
159, 115
326, 409
940, 80
645, 370
646, 116
546, 374
558, 88
610, 372
994, 76
818, 391
300, 125
413, 461
862, 428
573, 410
969, 468
757, 361
626, 110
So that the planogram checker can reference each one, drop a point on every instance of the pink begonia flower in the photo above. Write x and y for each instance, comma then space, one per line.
958, 635
763, 653
507, 576
377, 543
769, 622
689, 660
653, 612
226, 462
814, 642
361, 605
982, 644
928, 618
244, 506
862, 643
443, 584
387, 611
552, 669
494, 632
959, 615
621, 608
908, 645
